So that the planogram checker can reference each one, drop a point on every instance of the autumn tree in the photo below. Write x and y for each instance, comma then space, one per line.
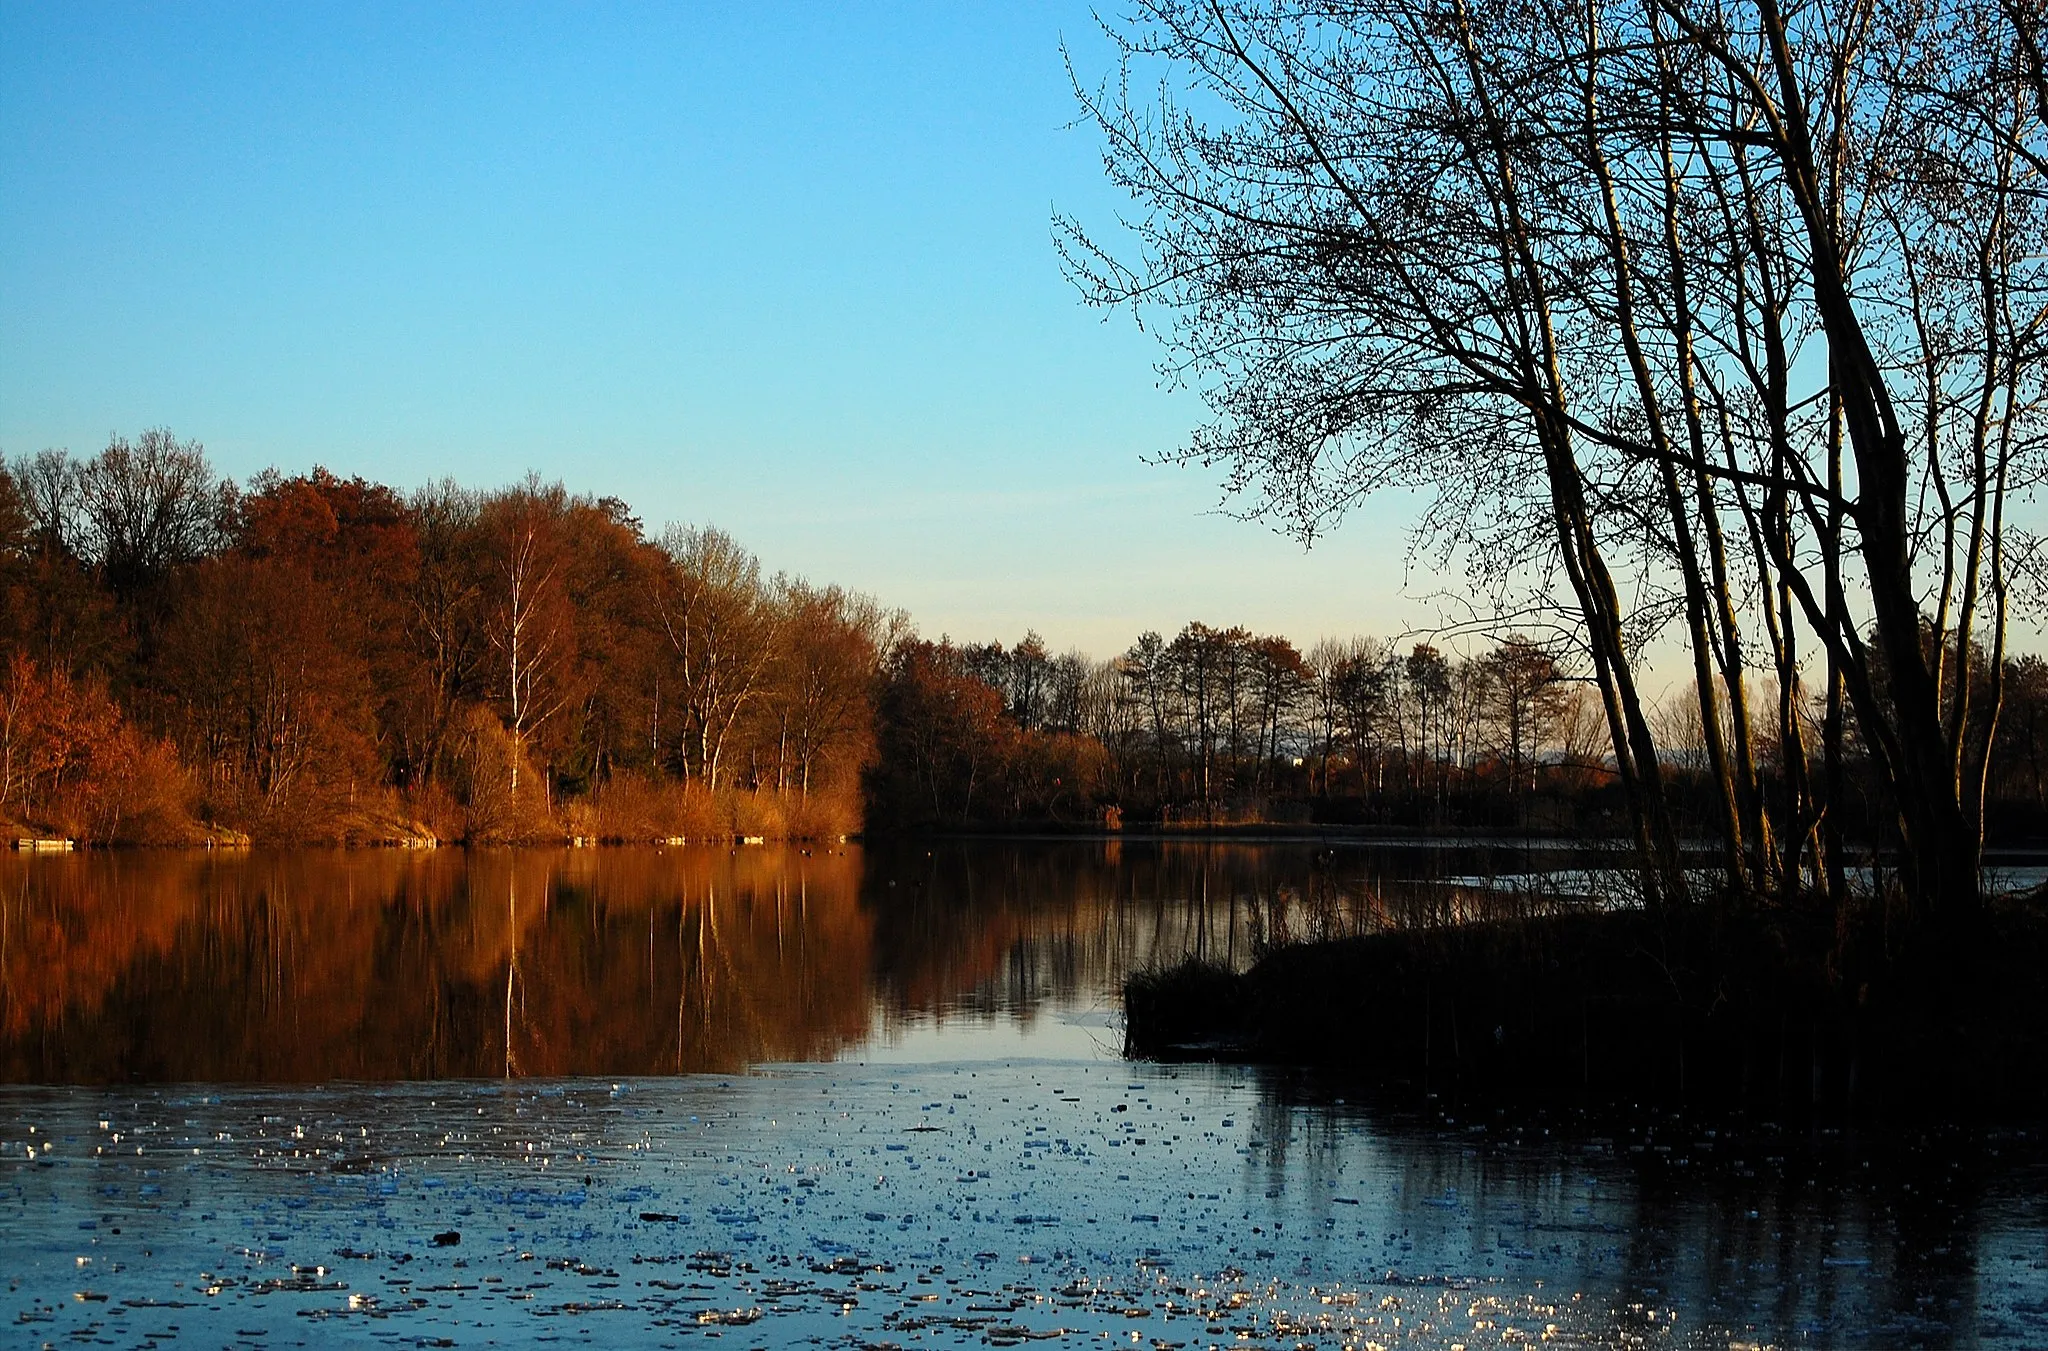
17, 549
830, 644
945, 735
71, 762
267, 692
443, 627
720, 623
620, 650
357, 544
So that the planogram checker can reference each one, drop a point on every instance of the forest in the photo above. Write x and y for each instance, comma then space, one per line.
312, 658
315, 659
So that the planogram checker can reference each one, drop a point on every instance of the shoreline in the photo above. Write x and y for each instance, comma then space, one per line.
27, 841
46, 849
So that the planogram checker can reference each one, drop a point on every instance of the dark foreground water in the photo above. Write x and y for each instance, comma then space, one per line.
764, 1098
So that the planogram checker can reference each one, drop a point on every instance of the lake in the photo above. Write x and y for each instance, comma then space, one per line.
858, 1098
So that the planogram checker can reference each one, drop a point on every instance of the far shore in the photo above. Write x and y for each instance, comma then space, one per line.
1609, 850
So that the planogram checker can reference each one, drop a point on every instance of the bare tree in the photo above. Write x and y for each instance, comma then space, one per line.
1326, 711
1720, 317
141, 508
48, 486
1524, 698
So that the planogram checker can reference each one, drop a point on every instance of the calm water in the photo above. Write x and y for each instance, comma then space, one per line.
773, 1097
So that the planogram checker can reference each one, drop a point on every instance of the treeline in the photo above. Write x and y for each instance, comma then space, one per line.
317, 658
1219, 725
1222, 726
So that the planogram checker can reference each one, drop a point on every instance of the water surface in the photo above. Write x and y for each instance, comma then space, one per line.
768, 1097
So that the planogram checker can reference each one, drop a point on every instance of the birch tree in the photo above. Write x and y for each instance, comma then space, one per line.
529, 626
721, 626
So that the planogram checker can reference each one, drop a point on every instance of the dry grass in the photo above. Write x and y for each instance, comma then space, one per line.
632, 808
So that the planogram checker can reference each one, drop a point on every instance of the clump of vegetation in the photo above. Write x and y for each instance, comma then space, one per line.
1192, 1007
1777, 1010
73, 765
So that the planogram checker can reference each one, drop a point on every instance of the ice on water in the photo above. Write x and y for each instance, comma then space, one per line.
986, 1202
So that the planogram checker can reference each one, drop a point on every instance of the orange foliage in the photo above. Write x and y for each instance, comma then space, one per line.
71, 765
340, 663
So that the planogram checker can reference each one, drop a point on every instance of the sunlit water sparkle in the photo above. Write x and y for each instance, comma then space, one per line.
968, 1203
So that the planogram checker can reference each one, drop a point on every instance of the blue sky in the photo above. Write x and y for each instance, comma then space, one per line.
783, 269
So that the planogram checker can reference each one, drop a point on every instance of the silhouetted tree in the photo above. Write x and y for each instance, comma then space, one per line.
1568, 270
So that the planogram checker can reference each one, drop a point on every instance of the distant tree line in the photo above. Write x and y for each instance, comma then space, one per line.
1223, 726
317, 657
1217, 724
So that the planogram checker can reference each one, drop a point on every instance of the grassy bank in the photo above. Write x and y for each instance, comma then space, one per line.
627, 809
1707, 1008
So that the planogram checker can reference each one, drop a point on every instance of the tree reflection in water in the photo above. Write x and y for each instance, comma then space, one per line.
298, 967
301, 966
